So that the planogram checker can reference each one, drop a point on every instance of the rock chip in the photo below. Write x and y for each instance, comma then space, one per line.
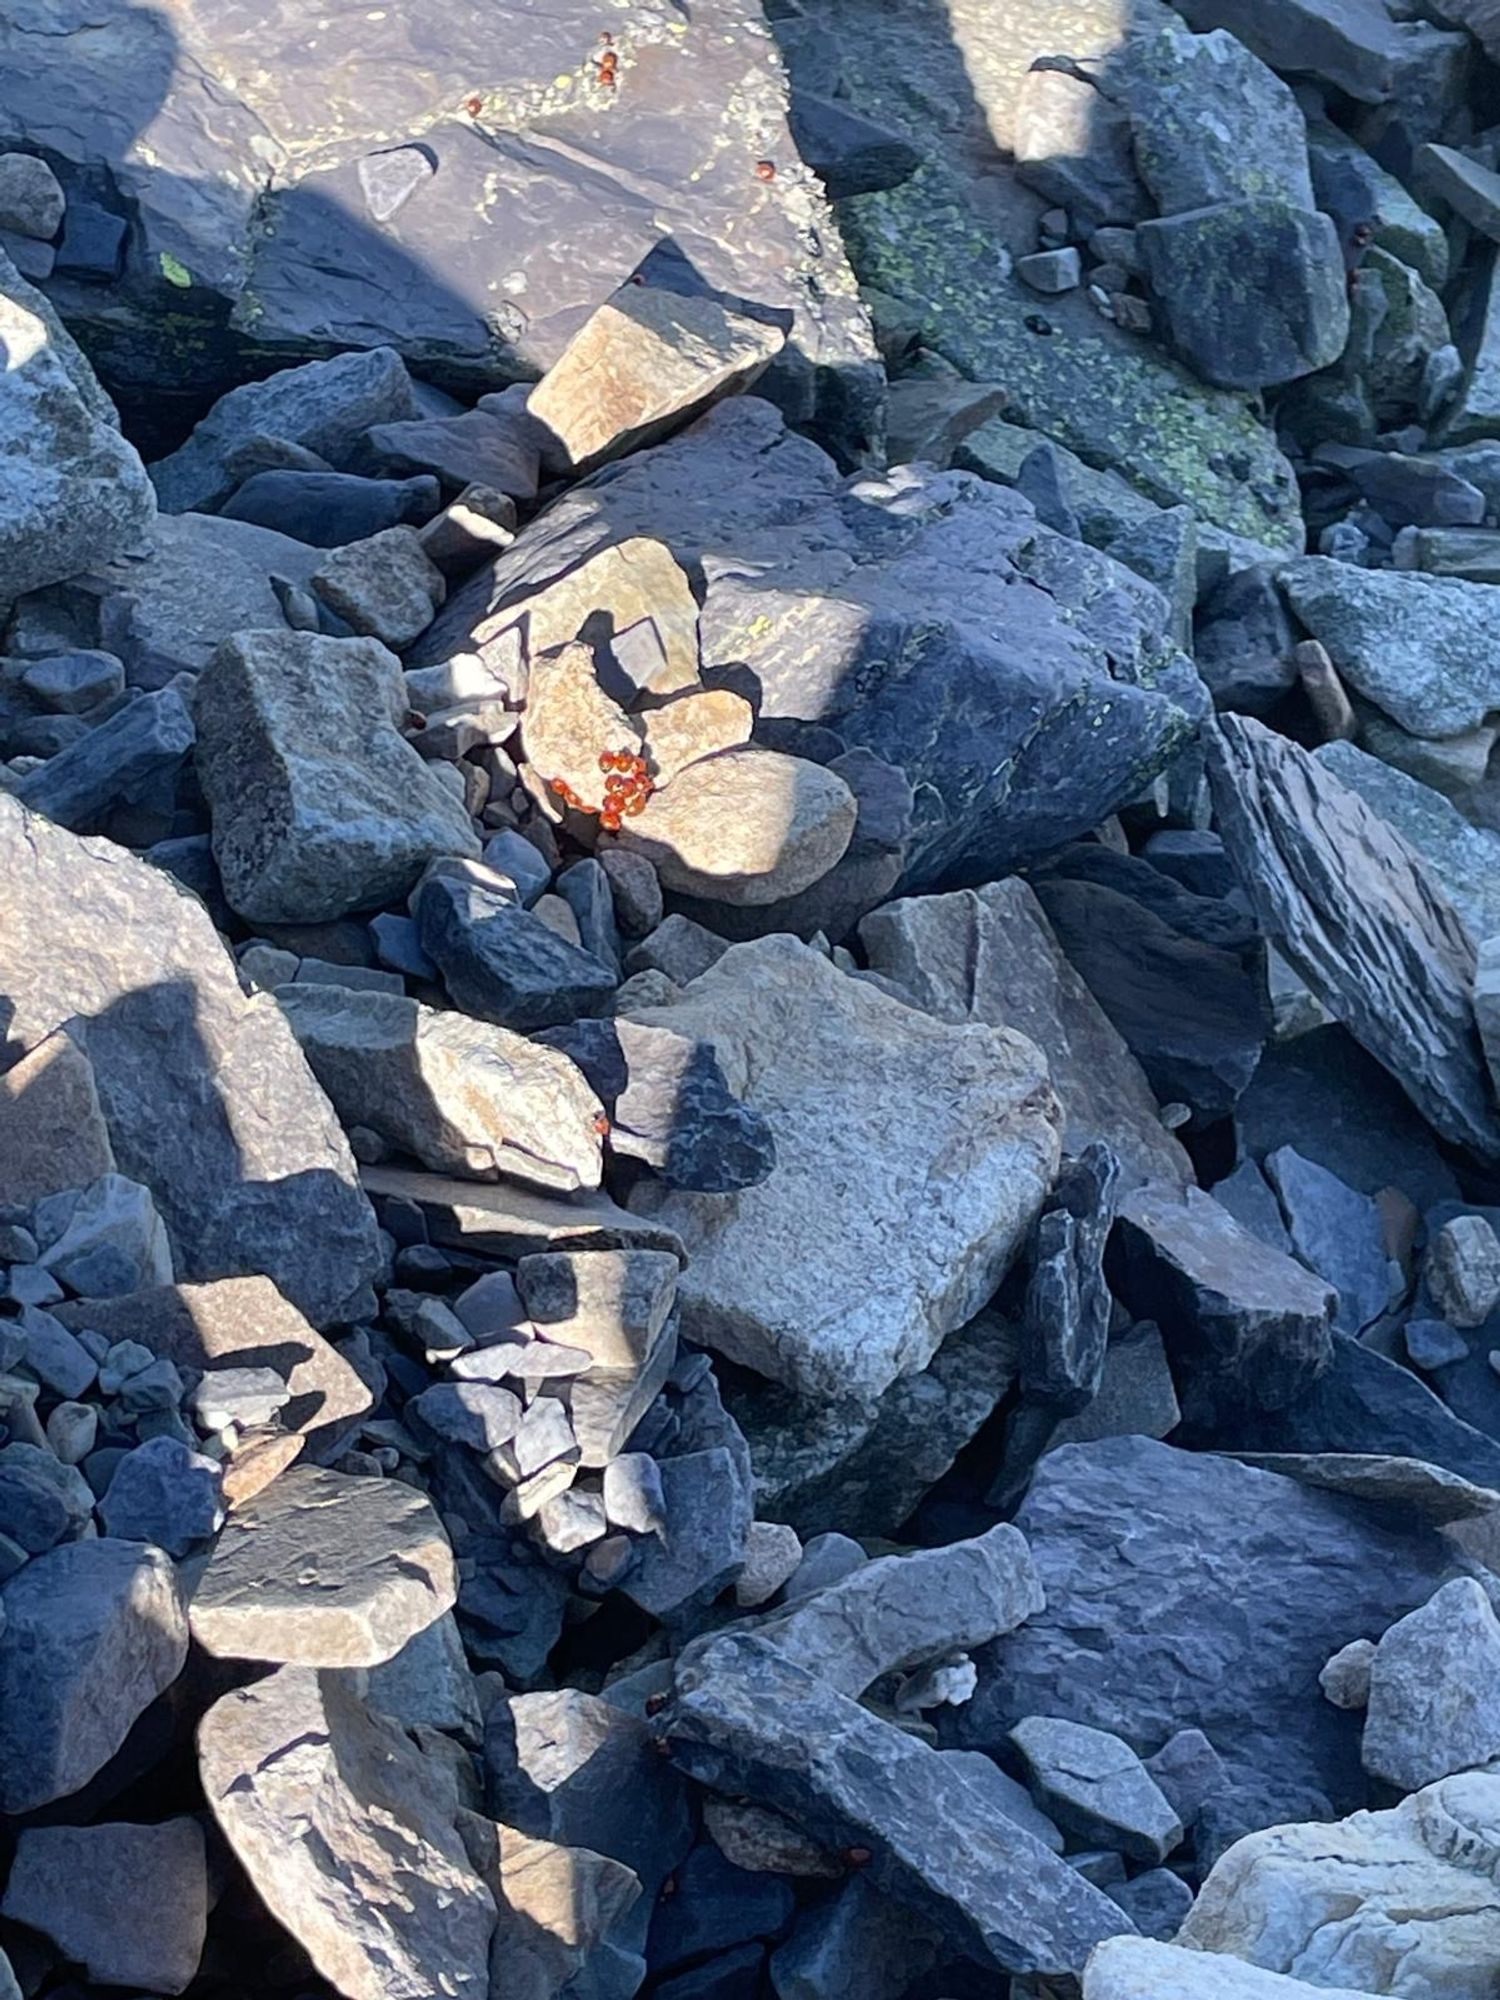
233, 1137
128, 1903
1096, 1787
799, 1041
93, 1632
347, 1834
322, 1569
319, 807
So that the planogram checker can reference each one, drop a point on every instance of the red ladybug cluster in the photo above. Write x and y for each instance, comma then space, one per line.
626, 789
608, 70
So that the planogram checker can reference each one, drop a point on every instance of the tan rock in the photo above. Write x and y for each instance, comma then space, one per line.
52, 1131
698, 724
642, 364
636, 588
570, 721
747, 827
257, 1459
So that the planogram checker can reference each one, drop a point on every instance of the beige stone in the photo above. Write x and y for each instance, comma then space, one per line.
570, 722
52, 1131
698, 724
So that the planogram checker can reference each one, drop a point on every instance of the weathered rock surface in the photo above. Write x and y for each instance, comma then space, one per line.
465, 1097
1355, 909
319, 807
1131, 1968
93, 1632
347, 1833
502, 963
1095, 1786
324, 1570
128, 1903
800, 1042
1432, 1706
231, 1133
1145, 1634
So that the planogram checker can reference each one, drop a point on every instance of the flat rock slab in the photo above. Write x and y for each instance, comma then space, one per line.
1215, 1610
128, 1903
1358, 913
231, 1133
1133, 1968
347, 1833
1024, 684
927, 1226
325, 1570
93, 1632
507, 1221
234, 1323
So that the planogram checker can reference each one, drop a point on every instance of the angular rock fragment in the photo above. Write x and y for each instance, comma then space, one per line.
1434, 1690
165, 1494
1137, 1968
133, 758
472, 448
232, 1135
319, 807
646, 361
800, 1041
699, 1548
383, 587
560, 1911
347, 1834
465, 1097
103, 1240
501, 963
128, 1903
429, 1684
1463, 1270
52, 1130
1357, 913
1096, 1787
508, 1221
614, 1305
1337, 1233
92, 1634
330, 509
324, 1570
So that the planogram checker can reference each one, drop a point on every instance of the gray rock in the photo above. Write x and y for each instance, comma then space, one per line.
501, 1220
52, 1130
1355, 910
235, 1140
700, 1547
1337, 1233
73, 683
329, 509
92, 1634
1359, 49
128, 1903
746, 1292
315, 1793
1345, 1678
1430, 1343
1139, 1968
747, 1720
677, 947
1463, 1270
464, 1097
502, 963
633, 1494
615, 1305
75, 491
1242, 1321
31, 199
1155, 1902
42, 1501
383, 587
318, 806
52, 1354
473, 1413
428, 1684
163, 1493
104, 1239
858, 1941
470, 448
1096, 1787
133, 758
244, 1397
1253, 290
1432, 1705
1136, 1396
322, 1569
1147, 1636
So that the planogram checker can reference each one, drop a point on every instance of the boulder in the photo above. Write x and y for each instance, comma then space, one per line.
800, 1041
1359, 48
464, 1097
1137, 1968
237, 1143
319, 807
324, 1570
347, 1834
1432, 1706
93, 1632
128, 1903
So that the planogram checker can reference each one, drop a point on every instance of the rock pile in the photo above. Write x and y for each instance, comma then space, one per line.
750, 1002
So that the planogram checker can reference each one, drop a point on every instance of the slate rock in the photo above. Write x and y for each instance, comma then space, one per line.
318, 806
322, 1569
1431, 1706
858, 1937
501, 963
464, 1097
1096, 1787
1337, 1233
128, 1903
789, 1029
1357, 913
328, 509
93, 1633
562, 1911
127, 760
242, 1154
315, 1793
1147, 1636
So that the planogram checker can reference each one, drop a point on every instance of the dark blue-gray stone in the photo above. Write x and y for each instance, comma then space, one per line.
714, 1906
327, 509
502, 964
132, 758
165, 1494
1336, 1232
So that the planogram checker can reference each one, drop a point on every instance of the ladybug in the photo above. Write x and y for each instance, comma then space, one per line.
858, 1857
655, 1703
601, 1125
609, 64
474, 105
765, 170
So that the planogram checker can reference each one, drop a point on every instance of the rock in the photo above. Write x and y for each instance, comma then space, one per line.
895, 1613
788, 548
636, 890
1253, 290
1156, 1902
1344, 897
52, 1354
1051, 271
645, 362
1243, 1322
75, 491
298, 733
133, 758
1467, 186
1137, 1968
699, 1548
561, 1910
747, 1720
615, 1306
508, 1221
329, 509
316, 1794
428, 1683
235, 1140
989, 955
103, 1239
325, 405
1345, 1679
1337, 1233
1431, 1704
463, 1096
1211, 123
52, 1130
715, 1907
502, 963
128, 1903
246, 1398
42, 1501
234, 1326
699, 723
792, 1033
93, 1633
858, 1936
1148, 1637
1463, 1270
31, 200
1420, 1872
163, 1493
571, 721
1096, 1787
383, 587
324, 1570
471, 448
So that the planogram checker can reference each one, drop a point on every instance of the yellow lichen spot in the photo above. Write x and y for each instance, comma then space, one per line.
174, 272
562, 83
